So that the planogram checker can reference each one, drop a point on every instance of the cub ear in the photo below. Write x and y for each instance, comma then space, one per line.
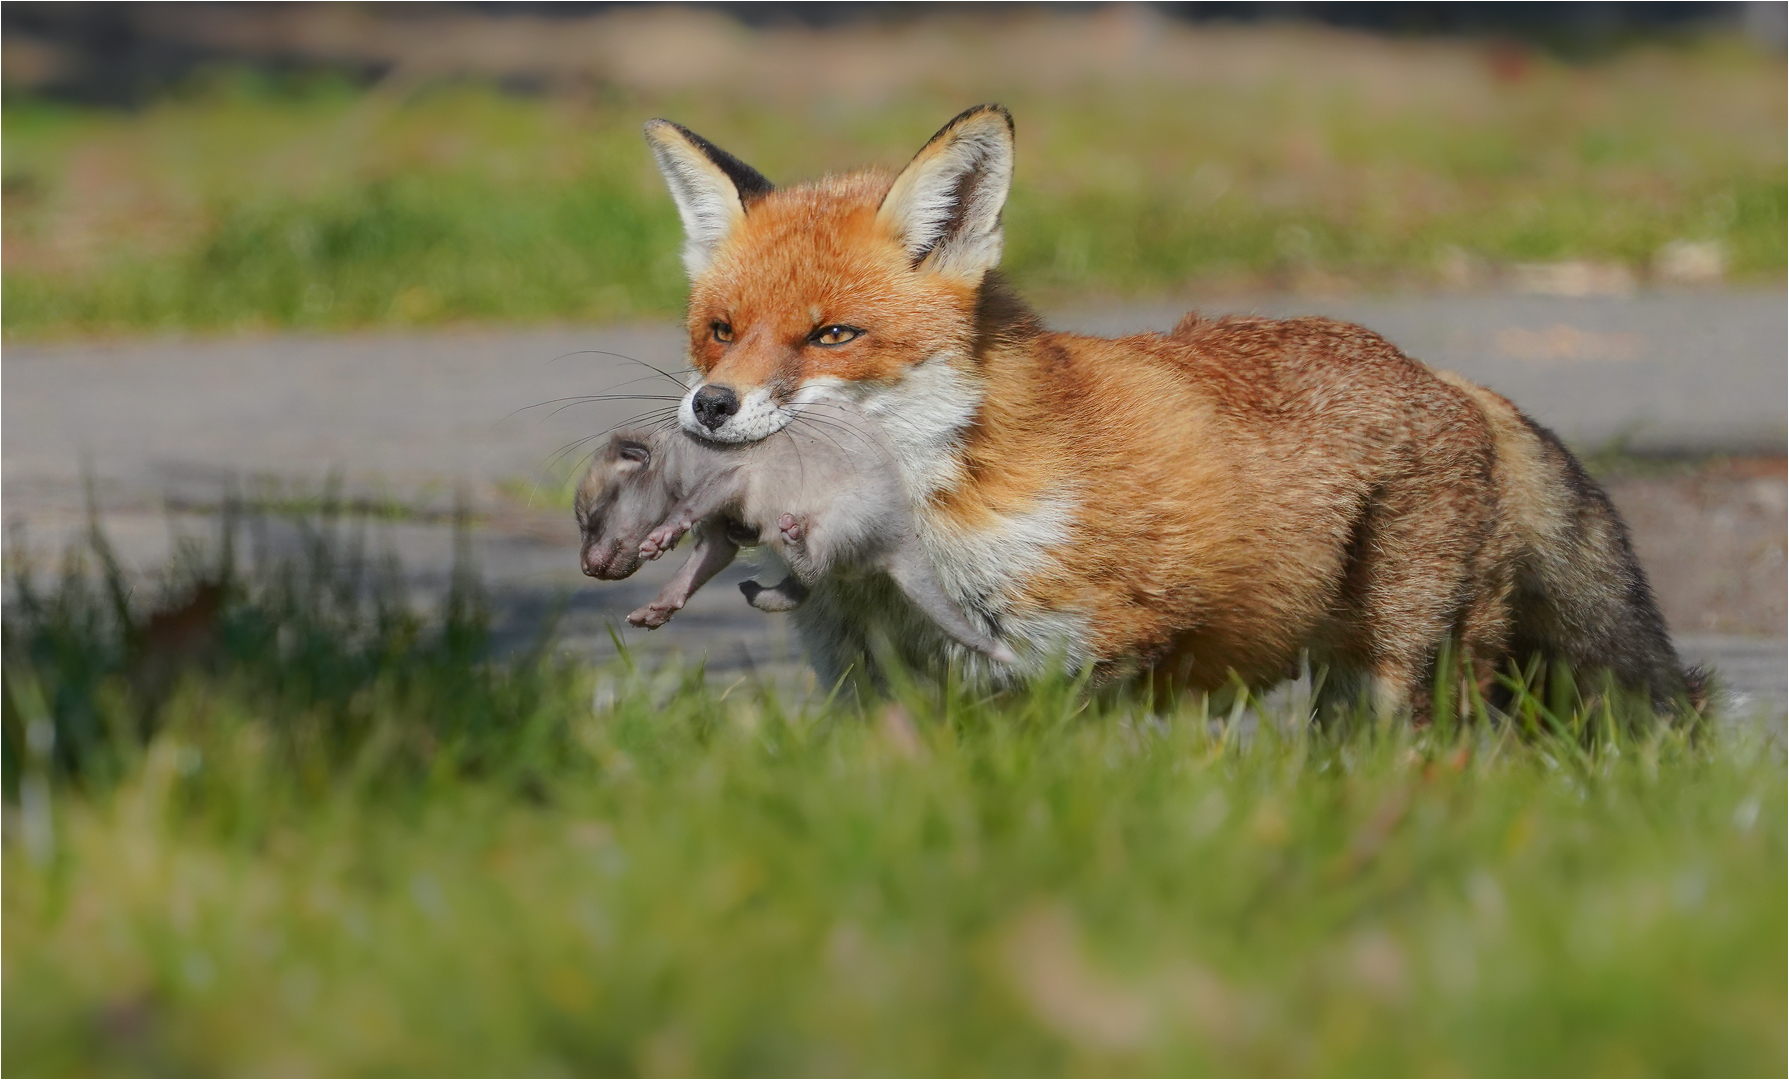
945, 205
711, 187
629, 453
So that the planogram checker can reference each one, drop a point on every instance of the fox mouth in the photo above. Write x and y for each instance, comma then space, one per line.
758, 415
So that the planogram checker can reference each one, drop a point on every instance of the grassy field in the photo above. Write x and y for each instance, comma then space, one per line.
276, 819
1278, 158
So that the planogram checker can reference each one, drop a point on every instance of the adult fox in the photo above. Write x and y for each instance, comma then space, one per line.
1203, 505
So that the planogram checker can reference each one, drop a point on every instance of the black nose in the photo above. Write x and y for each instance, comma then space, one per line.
713, 404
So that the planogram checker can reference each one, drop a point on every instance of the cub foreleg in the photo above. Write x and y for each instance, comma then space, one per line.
712, 554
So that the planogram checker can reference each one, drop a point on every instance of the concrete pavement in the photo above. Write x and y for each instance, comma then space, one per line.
1689, 372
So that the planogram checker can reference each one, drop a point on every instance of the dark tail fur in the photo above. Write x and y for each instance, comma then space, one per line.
1579, 595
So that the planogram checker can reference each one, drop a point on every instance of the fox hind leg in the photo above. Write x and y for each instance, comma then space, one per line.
1414, 580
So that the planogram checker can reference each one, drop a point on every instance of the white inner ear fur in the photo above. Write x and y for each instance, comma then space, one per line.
705, 196
945, 206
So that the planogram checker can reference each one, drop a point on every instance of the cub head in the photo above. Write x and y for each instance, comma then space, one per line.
840, 288
623, 497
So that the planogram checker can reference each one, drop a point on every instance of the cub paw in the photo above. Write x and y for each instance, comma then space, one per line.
662, 539
793, 531
784, 597
652, 616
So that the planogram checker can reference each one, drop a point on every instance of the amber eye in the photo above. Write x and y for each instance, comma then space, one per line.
723, 332
834, 335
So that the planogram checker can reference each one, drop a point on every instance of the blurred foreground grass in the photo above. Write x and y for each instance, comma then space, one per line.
1278, 158
290, 823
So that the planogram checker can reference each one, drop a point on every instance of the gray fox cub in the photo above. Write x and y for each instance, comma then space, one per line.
826, 496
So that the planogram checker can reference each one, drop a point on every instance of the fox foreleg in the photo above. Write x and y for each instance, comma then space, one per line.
708, 498
712, 554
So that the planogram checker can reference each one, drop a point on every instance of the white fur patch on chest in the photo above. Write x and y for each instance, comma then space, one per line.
922, 419
982, 568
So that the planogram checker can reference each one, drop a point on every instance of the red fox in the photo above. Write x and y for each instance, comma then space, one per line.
1200, 506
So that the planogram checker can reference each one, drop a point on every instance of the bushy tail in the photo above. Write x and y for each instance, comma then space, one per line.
1580, 595
1698, 687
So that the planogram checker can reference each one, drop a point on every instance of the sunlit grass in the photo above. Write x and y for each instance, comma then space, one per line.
240, 207
293, 823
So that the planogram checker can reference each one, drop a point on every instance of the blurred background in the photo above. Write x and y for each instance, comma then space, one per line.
271, 244
260, 166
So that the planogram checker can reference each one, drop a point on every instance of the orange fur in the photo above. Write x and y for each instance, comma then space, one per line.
777, 277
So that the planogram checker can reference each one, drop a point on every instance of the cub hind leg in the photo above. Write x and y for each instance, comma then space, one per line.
786, 595
791, 544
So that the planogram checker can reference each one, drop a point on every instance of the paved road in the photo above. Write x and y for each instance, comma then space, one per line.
1687, 372
416, 416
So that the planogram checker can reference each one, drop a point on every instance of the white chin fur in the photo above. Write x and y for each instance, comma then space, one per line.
758, 416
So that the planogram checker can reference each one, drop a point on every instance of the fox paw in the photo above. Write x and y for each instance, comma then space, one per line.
793, 531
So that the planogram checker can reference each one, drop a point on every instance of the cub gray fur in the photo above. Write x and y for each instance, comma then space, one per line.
827, 498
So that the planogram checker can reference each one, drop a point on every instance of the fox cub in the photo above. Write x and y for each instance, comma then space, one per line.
824, 495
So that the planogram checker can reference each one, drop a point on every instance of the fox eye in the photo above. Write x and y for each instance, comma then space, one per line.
836, 334
723, 331
634, 451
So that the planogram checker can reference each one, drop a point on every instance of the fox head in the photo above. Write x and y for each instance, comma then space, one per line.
847, 287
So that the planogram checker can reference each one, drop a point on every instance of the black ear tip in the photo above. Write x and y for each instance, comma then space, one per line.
987, 108
972, 113
749, 181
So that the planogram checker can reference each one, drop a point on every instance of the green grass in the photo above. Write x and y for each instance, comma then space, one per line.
329, 832
1332, 162
269, 496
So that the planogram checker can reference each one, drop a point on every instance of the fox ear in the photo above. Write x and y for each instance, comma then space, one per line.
945, 205
711, 187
